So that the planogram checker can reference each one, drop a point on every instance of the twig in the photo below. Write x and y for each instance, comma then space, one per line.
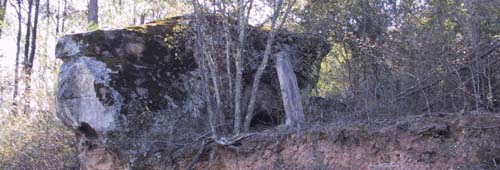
495, 163
480, 127
200, 151
414, 89
223, 141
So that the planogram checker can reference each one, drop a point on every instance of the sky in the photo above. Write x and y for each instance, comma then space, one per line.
7, 53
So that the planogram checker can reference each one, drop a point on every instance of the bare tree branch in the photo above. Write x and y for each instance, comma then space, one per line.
263, 65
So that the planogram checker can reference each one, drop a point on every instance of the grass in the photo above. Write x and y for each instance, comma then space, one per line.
35, 143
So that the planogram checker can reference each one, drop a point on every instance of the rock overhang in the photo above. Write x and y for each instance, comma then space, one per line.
142, 83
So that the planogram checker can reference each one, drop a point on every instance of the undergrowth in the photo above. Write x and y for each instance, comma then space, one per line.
40, 142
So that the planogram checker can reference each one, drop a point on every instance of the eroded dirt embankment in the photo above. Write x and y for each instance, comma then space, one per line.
431, 141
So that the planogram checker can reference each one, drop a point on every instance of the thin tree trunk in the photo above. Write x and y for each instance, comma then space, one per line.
215, 81
34, 33
65, 13
93, 17
26, 49
490, 89
471, 42
202, 63
47, 7
134, 13
29, 64
239, 71
263, 65
212, 66
28, 35
48, 26
227, 51
143, 18
15, 106
58, 16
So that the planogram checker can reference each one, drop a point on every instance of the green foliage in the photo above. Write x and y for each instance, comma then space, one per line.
93, 27
330, 81
391, 56
2, 17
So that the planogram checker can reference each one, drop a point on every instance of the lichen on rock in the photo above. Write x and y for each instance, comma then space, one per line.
139, 89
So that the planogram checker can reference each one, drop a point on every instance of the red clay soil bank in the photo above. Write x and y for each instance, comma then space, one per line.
435, 141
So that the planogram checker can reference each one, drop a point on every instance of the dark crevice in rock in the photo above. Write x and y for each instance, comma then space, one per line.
87, 131
145, 92
103, 93
265, 120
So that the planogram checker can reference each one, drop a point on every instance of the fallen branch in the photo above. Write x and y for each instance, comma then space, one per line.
481, 127
223, 141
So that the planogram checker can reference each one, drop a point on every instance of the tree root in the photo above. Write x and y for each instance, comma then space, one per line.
200, 151
223, 141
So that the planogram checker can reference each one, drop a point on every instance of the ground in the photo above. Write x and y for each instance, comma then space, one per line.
427, 141
469, 140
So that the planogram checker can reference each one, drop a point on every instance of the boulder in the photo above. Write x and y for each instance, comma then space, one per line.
134, 96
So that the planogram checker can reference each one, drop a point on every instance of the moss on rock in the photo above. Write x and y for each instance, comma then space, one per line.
153, 70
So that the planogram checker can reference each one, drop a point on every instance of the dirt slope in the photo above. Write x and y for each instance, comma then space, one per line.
430, 141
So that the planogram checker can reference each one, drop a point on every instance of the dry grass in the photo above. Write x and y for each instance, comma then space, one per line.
35, 143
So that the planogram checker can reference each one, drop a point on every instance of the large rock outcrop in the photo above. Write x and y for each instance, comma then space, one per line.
133, 96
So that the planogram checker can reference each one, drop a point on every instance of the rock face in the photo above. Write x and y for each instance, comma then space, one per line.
134, 99
134, 96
